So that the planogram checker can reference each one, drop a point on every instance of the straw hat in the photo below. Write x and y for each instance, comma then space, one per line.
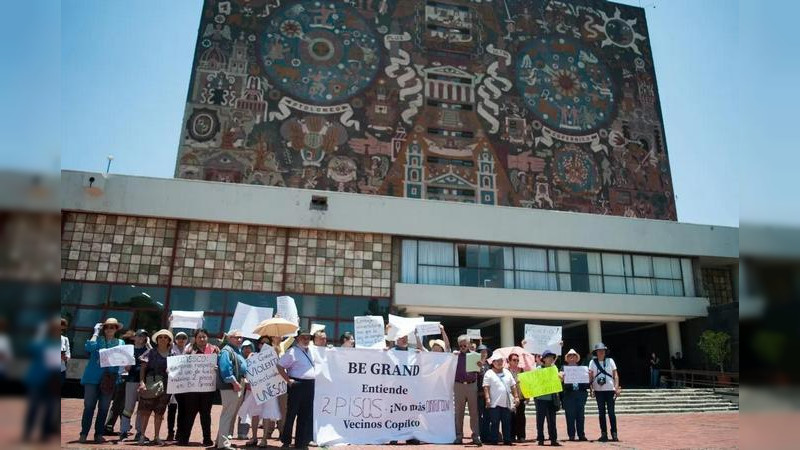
112, 321
572, 352
438, 342
166, 333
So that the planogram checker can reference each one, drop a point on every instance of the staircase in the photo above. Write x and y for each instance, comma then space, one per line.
654, 401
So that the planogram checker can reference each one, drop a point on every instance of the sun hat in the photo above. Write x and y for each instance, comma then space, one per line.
248, 343
159, 333
495, 356
599, 346
572, 352
547, 353
438, 342
303, 332
142, 332
181, 334
112, 321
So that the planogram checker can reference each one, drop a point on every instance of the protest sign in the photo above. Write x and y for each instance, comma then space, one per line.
369, 332
191, 320
191, 373
539, 382
366, 397
471, 360
428, 328
121, 355
539, 338
473, 333
246, 318
576, 374
262, 373
288, 309
402, 326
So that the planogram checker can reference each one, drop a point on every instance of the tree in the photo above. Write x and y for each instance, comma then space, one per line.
716, 346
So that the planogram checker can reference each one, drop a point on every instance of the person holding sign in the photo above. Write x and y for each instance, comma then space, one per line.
546, 407
153, 397
605, 388
500, 395
141, 342
251, 410
232, 369
297, 368
198, 402
466, 393
98, 383
575, 394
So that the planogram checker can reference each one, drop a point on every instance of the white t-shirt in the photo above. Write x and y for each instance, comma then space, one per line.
65, 349
609, 366
501, 386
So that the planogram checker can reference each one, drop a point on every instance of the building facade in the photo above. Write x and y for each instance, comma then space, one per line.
137, 248
535, 104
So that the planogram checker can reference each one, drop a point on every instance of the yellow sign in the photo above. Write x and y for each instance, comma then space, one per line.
538, 382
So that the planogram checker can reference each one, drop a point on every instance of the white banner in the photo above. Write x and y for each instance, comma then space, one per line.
121, 355
191, 373
262, 373
369, 332
287, 309
428, 329
473, 333
576, 374
246, 318
191, 320
539, 338
365, 396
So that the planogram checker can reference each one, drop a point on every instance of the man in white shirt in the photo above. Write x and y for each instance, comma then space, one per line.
65, 352
296, 366
605, 388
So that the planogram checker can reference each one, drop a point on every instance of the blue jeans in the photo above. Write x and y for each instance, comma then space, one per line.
605, 401
546, 411
655, 379
574, 405
496, 417
91, 397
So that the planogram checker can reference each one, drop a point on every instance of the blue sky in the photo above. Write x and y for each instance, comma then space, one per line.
121, 85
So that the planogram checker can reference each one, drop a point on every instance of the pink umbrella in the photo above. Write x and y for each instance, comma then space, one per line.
526, 360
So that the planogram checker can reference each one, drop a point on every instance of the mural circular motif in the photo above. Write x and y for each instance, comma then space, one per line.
203, 124
576, 171
619, 32
303, 51
566, 86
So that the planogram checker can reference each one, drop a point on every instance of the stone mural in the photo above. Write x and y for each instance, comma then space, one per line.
530, 103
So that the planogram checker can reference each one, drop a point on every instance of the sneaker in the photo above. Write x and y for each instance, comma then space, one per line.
208, 443
477, 441
124, 435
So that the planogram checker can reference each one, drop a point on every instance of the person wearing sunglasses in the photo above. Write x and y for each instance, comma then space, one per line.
518, 413
466, 393
98, 382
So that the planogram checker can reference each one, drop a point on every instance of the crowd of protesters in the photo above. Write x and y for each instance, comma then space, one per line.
490, 391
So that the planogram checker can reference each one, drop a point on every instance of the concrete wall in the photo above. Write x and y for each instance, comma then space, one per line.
248, 204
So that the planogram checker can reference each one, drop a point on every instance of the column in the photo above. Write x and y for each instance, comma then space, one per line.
507, 331
674, 338
595, 332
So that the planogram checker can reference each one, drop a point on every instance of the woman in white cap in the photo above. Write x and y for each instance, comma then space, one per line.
500, 395
99, 382
153, 395
605, 387
575, 395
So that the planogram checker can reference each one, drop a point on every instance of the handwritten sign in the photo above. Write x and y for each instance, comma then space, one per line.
262, 373
190, 320
369, 332
191, 373
288, 309
539, 338
428, 328
121, 355
538, 382
246, 318
576, 374
473, 333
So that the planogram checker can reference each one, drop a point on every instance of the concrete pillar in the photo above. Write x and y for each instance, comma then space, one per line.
674, 338
595, 332
507, 331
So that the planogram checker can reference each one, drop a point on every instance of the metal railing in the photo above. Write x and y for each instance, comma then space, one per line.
701, 379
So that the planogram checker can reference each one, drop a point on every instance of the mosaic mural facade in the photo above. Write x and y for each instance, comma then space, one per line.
110, 248
530, 103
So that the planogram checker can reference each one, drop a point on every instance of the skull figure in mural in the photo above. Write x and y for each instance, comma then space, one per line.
342, 170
